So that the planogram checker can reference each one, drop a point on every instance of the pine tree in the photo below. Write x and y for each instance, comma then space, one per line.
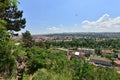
12, 16
27, 39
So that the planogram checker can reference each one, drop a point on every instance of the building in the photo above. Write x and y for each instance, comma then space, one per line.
79, 54
117, 63
101, 61
75, 55
118, 55
87, 51
107, 52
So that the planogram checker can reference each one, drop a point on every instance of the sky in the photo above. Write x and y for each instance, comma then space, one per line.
59, 16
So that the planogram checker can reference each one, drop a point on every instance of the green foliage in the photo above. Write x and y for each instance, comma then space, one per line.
19, 51
52, 65
82, 70
40, 44
86, 71
98, 51
27, 39
109, 56
2, 23
49, 59
102, 73
36, 58
26, 76
7, 61
88, 43
4, 4
44, 74
13, 17
10, 13
8, 3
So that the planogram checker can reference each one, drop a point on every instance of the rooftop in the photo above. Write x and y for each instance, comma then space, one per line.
117, 62
107, 51
100, 58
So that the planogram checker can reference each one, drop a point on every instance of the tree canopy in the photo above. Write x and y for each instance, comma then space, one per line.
13, 17
7, 60
27, 39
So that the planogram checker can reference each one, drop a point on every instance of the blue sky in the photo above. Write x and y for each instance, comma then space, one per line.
58, 16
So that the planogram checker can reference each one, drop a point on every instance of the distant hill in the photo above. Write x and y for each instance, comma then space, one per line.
86, 35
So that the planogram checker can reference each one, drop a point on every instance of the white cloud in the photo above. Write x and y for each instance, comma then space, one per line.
103, 24
54, 29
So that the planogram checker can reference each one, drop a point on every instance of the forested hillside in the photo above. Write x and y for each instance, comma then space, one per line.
86, 35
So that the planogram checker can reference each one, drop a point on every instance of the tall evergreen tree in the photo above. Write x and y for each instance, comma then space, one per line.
11, 14
27, 39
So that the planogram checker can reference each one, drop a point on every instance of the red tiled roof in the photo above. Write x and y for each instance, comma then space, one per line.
81, 54
117, 62
107, 51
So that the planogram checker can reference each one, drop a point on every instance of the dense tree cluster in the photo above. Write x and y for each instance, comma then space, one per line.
88, 43
52, 64
7, 60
